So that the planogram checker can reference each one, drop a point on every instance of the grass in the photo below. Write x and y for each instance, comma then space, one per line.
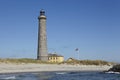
89, 62
73, 62
22, 60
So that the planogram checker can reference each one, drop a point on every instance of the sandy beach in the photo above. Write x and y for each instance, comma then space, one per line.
30, 67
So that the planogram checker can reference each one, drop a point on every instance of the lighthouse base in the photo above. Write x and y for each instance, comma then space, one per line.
42, 58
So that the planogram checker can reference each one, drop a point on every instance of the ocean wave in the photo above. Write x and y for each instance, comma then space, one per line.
61, 73
112, 72
7, 78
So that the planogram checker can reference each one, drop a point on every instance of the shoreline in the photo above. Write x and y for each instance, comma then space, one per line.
30, 67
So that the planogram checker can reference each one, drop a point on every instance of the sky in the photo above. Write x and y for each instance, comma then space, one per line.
92, 26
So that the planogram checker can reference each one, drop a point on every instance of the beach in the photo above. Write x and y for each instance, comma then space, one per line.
31, 67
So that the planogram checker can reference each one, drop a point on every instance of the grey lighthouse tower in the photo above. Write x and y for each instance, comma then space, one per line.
42, 53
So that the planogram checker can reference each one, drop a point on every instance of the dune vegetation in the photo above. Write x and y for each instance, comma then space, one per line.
21, 60
71, 62
89, 62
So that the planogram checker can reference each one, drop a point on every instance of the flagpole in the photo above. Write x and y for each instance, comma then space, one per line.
78, 55
77, 50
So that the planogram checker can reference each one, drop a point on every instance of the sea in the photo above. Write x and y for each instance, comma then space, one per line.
88, 75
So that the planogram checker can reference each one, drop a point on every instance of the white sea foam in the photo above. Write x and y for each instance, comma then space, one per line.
112, 72
10, 77
61, 73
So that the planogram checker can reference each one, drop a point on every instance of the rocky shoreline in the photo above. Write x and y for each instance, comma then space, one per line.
115, 68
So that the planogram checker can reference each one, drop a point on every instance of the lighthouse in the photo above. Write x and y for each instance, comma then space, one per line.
42, 53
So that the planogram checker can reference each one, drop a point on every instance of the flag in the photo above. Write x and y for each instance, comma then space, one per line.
76, 49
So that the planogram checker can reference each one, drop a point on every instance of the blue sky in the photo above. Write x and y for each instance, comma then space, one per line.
93, 26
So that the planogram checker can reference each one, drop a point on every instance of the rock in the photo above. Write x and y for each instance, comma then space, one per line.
115, 68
